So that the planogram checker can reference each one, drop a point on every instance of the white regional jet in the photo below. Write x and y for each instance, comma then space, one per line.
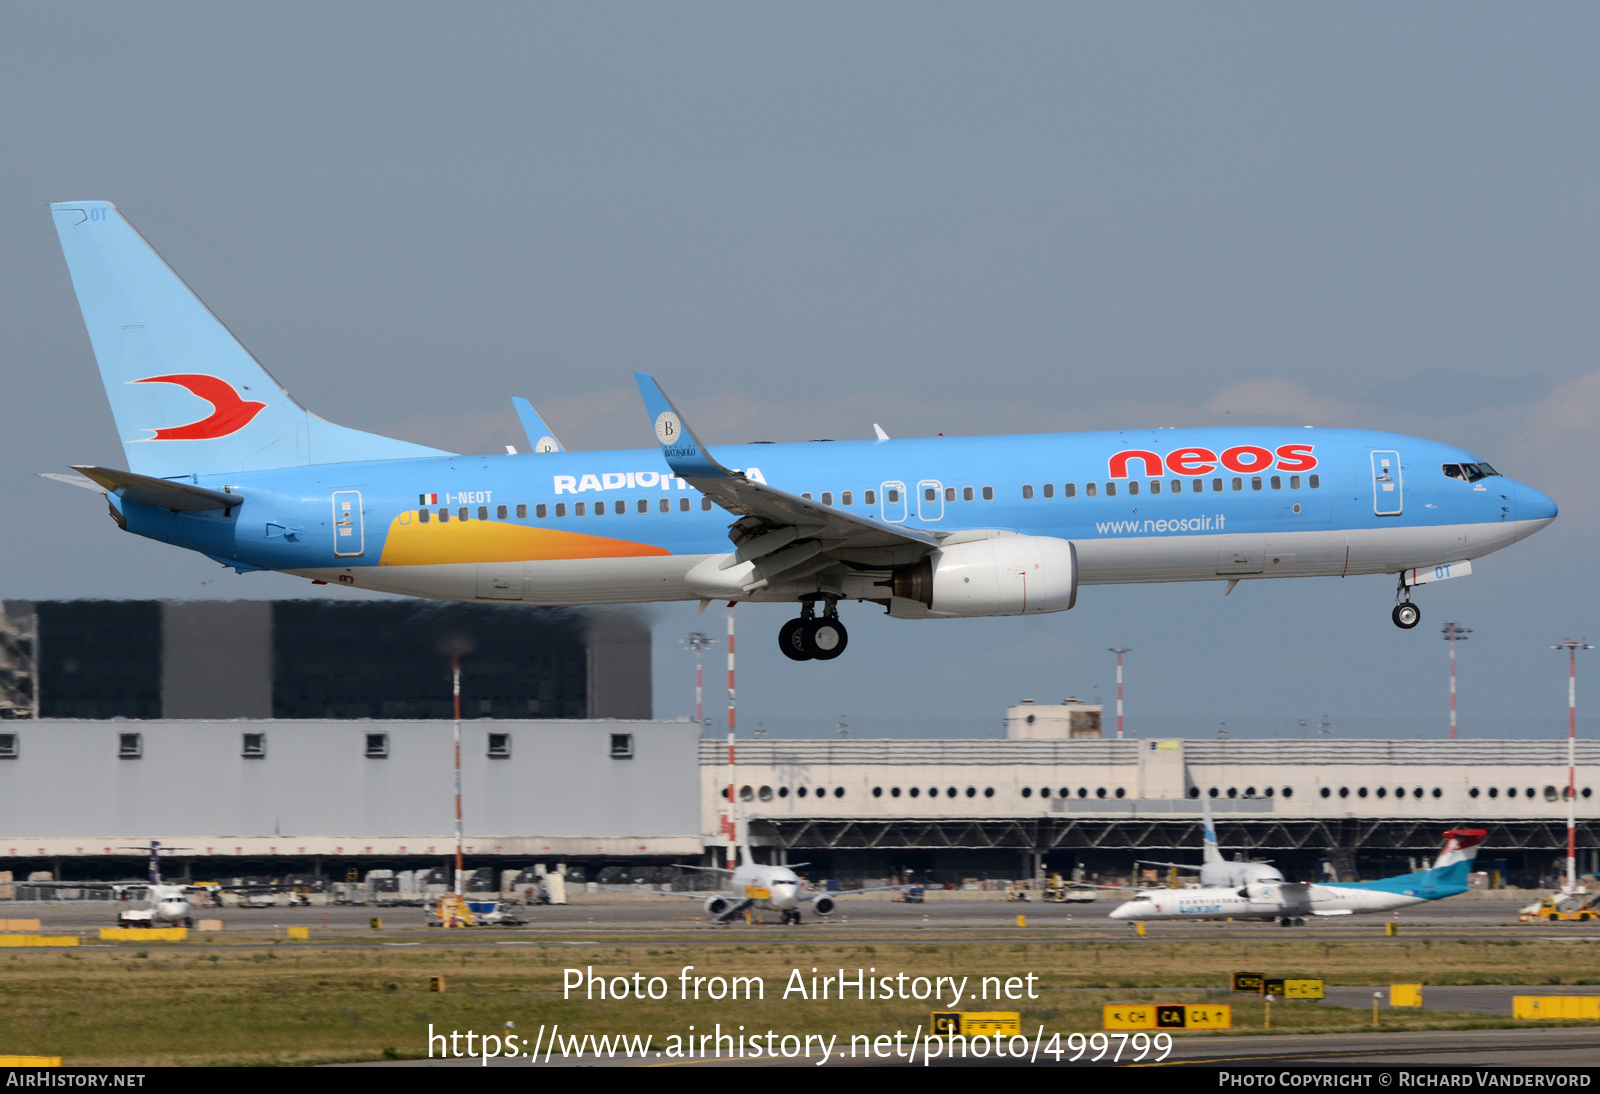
752, 885
1218, 872
1290, 902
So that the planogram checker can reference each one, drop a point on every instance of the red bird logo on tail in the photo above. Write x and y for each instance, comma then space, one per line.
229, 413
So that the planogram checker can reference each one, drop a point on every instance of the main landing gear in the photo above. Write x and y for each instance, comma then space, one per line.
812, 639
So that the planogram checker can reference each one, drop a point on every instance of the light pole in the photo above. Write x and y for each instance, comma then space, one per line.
733, 821
1453, 633
455, 693
1572, 649
1119, 651
698, 642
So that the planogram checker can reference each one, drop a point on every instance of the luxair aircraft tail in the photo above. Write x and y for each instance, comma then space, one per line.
1209, 833
173, 372
1449, 872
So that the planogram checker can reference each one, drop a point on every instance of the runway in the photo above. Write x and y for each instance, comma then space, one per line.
1531, 1048
614, 917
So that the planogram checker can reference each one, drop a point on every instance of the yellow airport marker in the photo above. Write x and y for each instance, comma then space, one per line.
1022, 921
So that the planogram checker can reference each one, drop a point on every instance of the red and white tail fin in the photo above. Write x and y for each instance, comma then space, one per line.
1460, 845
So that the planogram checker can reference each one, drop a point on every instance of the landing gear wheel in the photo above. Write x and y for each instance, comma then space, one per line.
791, 640
1407, 615
824, 639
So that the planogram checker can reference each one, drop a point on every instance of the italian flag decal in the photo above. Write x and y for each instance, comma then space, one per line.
427, 499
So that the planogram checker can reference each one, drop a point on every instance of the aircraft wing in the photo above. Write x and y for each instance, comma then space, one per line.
837, 893
707, 869
786, 536
1174, 865
540, 435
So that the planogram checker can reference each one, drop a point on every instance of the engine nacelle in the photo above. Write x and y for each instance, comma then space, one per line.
1006, 575
1260, 894
716, 905
823, 905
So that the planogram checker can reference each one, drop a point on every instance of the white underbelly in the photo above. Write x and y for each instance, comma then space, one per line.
549, 583
1322, 553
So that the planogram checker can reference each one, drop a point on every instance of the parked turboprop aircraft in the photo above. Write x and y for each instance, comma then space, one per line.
1218, 872
224, 462
1290, 902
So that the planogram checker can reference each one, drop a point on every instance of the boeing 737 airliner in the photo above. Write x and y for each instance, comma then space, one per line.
223, 461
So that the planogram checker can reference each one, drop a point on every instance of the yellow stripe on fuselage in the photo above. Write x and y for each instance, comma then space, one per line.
411, 543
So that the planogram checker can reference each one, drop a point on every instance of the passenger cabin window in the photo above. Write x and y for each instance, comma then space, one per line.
1049, 490
966, 493
1070, 490
1315, 482
949, 493
522, 511
1155, 486
894, 496
930, 494
539, 510
1089, 489
1277, 482
827, 497
578, 508
666, 505
423, 516
499, 746
254, 746
1216, 486
1255, 482
847, 498
1176, 486
599, 508
561, 508
1238, 483
462, 512
444, 516
683, 505
1027, 493
869, 497
1133, 487
1111, 489
705, 503
483, 512
9, 749
806, 494
644, 505
1294, 482
988, 493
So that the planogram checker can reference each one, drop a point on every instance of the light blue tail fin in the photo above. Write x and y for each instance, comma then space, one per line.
1211, 853
187, 397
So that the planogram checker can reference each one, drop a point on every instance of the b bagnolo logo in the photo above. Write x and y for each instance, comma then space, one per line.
668, 428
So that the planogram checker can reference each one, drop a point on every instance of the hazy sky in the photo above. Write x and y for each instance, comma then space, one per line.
807, 218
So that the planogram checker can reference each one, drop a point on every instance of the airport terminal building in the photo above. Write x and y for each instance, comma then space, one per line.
313, 737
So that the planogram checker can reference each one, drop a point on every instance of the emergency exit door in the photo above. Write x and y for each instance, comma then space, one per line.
1387, 488
349, 531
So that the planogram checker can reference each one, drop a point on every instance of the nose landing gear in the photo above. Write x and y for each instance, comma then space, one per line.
1406, 614
810, 638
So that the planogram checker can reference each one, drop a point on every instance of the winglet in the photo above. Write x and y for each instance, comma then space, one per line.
685, 454
878, 429
539, 434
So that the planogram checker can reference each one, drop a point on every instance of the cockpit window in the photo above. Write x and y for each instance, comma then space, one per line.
1468, 472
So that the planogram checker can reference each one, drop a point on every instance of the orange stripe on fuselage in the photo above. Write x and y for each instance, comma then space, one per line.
411, 543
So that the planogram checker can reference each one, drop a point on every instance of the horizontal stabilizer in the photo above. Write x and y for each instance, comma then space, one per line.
73, 480
540, 436
160, 493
